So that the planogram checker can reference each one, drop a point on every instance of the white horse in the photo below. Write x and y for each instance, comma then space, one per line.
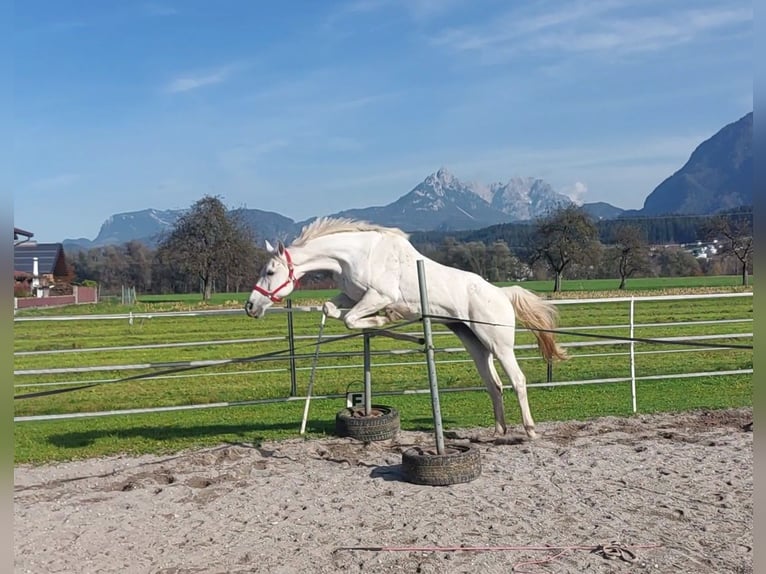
376, 270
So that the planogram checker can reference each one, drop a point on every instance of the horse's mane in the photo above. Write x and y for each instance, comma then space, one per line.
330, 225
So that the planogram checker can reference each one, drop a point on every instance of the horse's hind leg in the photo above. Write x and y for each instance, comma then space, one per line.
483, 359
507, 359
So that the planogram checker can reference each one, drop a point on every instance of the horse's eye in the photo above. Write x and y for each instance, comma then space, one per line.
270, 272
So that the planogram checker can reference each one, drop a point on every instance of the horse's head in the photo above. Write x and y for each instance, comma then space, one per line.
276, 281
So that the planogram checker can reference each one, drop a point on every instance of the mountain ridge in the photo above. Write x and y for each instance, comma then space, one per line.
717, 176
440, 202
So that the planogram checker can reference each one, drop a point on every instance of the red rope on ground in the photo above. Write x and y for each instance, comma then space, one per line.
484, 548
608, 551
515, 567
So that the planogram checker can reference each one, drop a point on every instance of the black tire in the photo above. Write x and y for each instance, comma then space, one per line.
459, 463
381, 424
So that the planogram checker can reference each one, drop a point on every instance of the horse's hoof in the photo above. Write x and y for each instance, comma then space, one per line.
330, 310
531, 434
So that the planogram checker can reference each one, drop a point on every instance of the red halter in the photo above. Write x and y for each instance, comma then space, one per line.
290, 279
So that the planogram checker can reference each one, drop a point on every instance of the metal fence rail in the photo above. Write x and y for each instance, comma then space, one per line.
291, 367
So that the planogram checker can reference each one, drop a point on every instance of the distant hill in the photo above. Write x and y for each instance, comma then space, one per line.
601, 210
145, 226
269, 225
717, 177
149, 225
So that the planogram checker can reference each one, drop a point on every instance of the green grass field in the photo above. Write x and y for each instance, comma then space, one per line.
41, 441
570, 288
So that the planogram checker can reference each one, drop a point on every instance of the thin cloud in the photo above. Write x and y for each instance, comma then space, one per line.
157, 9
352, 9
415, 10
649, 33
189, 82
576, 192
377, 176
363, 101
246, 156
571, 159
588, 27
343, 144
515, 25
364, 6
423, 10
54, 182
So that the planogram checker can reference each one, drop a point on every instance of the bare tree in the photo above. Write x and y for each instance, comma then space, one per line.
503, 263
565, 237
139, 260
206, 243
631, 252
476, 256
499, 261
734, 235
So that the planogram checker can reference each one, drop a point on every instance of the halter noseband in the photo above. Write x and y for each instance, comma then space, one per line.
272, 295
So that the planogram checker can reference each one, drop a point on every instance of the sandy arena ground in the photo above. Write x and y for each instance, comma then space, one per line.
664, 493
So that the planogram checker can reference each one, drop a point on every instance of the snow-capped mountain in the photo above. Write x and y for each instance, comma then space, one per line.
525, 198
442, 201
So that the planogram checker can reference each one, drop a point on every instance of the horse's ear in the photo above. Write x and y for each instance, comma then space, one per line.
269, 247
280, 247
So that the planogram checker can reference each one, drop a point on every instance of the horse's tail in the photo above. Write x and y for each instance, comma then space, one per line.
538, 315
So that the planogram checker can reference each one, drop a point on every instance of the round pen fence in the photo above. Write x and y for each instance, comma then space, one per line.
626, 341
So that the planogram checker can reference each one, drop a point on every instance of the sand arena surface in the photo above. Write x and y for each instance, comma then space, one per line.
675, 490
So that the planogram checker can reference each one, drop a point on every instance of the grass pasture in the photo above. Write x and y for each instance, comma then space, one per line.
118, 348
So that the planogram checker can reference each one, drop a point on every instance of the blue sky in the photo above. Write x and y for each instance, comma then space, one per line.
307, 108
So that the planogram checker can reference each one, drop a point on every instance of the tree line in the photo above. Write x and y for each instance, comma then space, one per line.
210, 249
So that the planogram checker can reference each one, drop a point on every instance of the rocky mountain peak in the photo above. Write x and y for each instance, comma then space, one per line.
445, 176
440, 183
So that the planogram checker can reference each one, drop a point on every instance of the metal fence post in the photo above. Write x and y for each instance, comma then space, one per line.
367, 376
291, 346
435, 406
632, 354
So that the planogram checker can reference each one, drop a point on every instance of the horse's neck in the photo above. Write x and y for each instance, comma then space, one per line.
328, 253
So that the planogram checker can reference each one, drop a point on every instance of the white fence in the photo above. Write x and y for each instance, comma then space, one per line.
292, 370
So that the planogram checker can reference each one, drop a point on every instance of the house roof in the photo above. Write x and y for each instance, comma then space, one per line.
20, 232
50, 258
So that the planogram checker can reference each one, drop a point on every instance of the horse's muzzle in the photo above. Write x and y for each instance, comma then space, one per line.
249, 310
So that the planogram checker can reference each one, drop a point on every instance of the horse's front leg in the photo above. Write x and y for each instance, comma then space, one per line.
363, 314
332, 308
